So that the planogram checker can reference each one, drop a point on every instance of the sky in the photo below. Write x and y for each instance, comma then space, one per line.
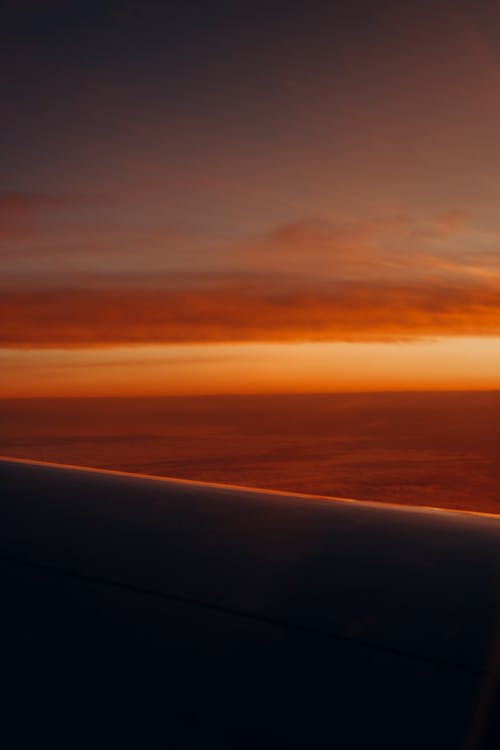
221, 197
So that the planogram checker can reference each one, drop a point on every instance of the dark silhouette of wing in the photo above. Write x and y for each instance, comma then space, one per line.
153, 613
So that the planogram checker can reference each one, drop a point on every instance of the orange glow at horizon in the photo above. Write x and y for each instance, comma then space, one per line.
444, 364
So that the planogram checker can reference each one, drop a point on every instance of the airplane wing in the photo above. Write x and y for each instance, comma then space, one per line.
153, 613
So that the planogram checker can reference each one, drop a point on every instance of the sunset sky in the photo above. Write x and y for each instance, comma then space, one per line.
228, 197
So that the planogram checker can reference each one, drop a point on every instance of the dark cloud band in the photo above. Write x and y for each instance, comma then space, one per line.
239, 311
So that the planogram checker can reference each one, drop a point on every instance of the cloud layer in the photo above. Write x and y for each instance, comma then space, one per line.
384, 279
19, 212
232, 309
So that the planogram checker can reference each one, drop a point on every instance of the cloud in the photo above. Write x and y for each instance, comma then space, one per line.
390, 248
316, 244
309, 280
450, 222
395, 247
239, 310
18, 210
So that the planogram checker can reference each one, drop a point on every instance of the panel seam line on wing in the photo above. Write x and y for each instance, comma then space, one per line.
256, 617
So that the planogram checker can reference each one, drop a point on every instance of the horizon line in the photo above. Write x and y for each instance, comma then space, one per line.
253, 394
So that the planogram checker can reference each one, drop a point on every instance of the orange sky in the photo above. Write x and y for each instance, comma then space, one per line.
441, 364
278, 199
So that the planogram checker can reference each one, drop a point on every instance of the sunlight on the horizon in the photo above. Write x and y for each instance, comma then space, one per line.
448, 363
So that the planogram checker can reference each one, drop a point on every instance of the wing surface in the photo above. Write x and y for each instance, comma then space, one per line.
150, 612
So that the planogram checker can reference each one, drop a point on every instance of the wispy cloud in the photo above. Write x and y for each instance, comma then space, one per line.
399, 247
18, 211
450, 222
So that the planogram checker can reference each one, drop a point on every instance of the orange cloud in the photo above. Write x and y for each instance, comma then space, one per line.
370, 249
313, 248
238, 310
309, 245
450, 222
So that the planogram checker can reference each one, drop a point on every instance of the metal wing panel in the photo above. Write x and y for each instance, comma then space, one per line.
250, 614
